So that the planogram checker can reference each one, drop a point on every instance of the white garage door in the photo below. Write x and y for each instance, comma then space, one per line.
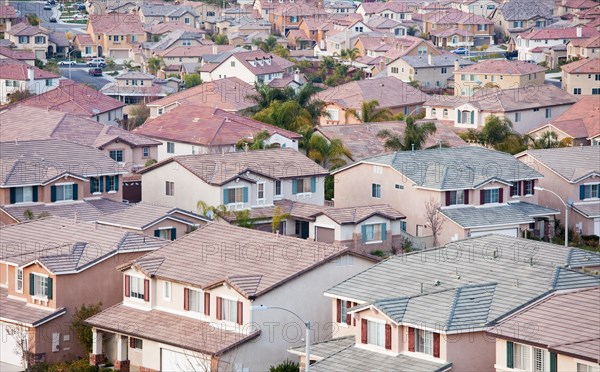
597, 226
173, 361
9, 350
514, 231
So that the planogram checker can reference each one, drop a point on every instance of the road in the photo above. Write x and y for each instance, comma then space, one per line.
79, 73
37, 7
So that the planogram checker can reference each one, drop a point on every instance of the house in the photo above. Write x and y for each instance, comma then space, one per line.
396, 10
340, 7
387, 26
206, 12
26, 56
116, 34
482, 8
572, 173
86, 45
190, 129
530, 45
288, 16
517, 16
250, 66
8, 15
237, 180
229, 94
579, 123
473, 202
363, 141
135, 87
527, 108
570, 7
44, 43
335, 41
582, 77
218, 308
555, 344
437, 322
584, 48
68, 172
20, 76
453, 28
431, 71
391, 93
79, 100
59, 266
154, 13
501, 74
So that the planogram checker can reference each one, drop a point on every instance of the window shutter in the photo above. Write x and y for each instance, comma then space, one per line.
373, 190
338, 311
500, 195
472, 117
354, 318
127, 285
75, 191
436, 345
146, 290
157, 233
388, 337
553, 362
219, 305
532, 187
131, 342
363, 232
521, 187
240, 313
411, 339
313, 184
13, 195
52, 194
101, 184
348, 316
50, 291
92, 185
482, 197
225, 196
447, 197
294, 186
34, 193
509, 355
363, 331
245, 194
117, 182
173, 233
458, 116
206, 303
383, 231
581, 192
466, 196
31, 284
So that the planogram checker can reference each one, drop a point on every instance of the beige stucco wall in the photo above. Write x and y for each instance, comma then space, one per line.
586, 82
504, 81
348, 118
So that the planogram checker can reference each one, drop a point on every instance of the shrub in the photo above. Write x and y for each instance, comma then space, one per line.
149, 162
378, 253
82, 331
287, 366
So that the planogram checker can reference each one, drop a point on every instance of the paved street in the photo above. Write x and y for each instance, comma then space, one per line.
80, 74
37, 7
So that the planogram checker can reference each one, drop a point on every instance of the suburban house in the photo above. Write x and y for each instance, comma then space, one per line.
517, 16
531, 44
44, 43
476, 191
8, 15
43, 281
578, 123
527, 108
566, 336
18, 76
237, 180
86, 45
454, 28
574, 174
389, 92
584, 48
483, 8
228, 94
136, 87
26, 56
582, 77
77, 99
154, 13
286, 17
431, 71
223, 310
430, 310
571, 7
116, 34
502, 74
396, 10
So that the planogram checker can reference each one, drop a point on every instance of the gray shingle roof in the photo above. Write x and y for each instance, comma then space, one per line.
579, 258
321, 350
589, 210
522, 10
505, 214
461, 285
143, 215
572, 163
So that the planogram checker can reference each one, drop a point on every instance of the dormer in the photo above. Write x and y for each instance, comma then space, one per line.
268, 60
253, 63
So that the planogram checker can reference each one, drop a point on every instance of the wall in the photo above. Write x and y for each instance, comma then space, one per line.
586, 82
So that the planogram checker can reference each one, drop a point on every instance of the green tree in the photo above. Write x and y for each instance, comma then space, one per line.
267, 45
52, 67
350, 55
33, 19
140, 113
82, 331
411, 31
154, 65
414, 135
281, 51
212, 212
19, 95
547, 140
327, 153
287, 366
496, 130
266, 94
278, 217
257, 142
191, 80
370, 112
287, 115
243, 219
220, 39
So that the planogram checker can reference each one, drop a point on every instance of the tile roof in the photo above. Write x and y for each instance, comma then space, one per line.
504, 67
295, 209
447, 32
25, 29
558, 33
75, 246
579, 4
142, 215
85, 39
465, 292
392, 6
229, 94
17, 70
470, 217
193, 51
7, 11
40, 161
566, 322
116, 24
437, 61
166, 10
580, 120
82, 210
167, 27
572, 163
522, 10
583, 66
217, 169
301, 10
17, 54
17, 311
355, 215
589, 210
592, 42
324, 349
455, 17
171, 329
277, 64
181, 259
74, 98
206, 126
388, 91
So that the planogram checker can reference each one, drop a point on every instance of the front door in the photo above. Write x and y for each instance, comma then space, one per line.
302, 229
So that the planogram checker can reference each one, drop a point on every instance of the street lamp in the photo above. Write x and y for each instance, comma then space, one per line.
306, 324
69, 55
566, 204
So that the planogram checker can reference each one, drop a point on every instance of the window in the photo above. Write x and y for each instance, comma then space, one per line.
445, 113
165, 234
40, 285
517, 24
95, 185
481, 27
548, 113
375, 333
587, 368
277, 188
491, 196
394, 70
373, 232
195, 299
136, 287
536, 110
23, 194
333, 114
403, 226
444, 70
187, 21
111, 183
40, 40
576, 91
64, 192
235, 195
521, 357
169, 188
187, 42
515, 189
528, 187
170, 148
302, 186
232, 63
167, 291
229, 310
376, 190
260, 191
423, 341
597, 77
116, 155
457, 197
343, 311
595, 91
23, 39
358, 29
517, 117
145, 152
591, 191
539, 359
433, 112
19, 281
135, 343
48, 82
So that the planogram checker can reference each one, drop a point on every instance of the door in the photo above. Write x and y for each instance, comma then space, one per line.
304, 229
173, 361
10, 349
324, 234
514, 232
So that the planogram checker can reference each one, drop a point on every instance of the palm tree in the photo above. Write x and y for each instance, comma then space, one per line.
350, 55
267, 45
327, 153
305, 98
547, 140
266, 94
154, 64
212, 212
414, 137
496, 130
257, 142
369, 112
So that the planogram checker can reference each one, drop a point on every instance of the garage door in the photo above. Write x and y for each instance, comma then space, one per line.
324, 235
510, 232
173, 361
9, 350
119, 54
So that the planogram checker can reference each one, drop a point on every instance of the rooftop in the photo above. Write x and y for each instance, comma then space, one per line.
559, 33
355, 215
17, 54
11, 69
141, 216
571, 163
116, 24
583, 66
504, 67
580, 120
470, 217
443, 60
20, 312
523, 10
82, 210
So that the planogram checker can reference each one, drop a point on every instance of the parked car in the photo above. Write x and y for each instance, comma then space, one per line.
95, 71
461, 50
511, 55
66, 63
97, 62
47, 7
52, 2
52, 20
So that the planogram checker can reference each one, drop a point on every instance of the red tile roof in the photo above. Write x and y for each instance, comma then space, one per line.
277, 64
592, 42
580, 120
392, 6
579, 4
7, 11
455, 17
84, 39
24, 29
116, 23
502, 67
16, 70
193, 51
559, 33
583, 66
17, 54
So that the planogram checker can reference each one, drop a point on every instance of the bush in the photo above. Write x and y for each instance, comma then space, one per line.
378, 253
287, 366
83, 332
149, 162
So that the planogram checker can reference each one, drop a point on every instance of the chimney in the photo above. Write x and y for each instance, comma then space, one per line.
297, 76
429, 59
579, 31
456, 65
215, 49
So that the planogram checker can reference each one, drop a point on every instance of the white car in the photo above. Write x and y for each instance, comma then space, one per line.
66, 63
97, 62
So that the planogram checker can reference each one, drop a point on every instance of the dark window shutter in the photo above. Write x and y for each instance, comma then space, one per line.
581, 192
294, 186
240, 313
354, 318
92, 180
75, 192
553, 362
157, 233
127, 285
363, 331
313, 184
31, 284
173, 233
501, 195
466, 196
363, 233
50, 288
532, 187
52, 194
245, 195
131, 342
13, 195
206, 303
34, 193
225, 196
388, 337
101, 189
509, 355
411, 339
117, 182
186, 299
522, 188
348, 316
436, 345
219, 306
481, 196
338, 311
146, 290
447, 197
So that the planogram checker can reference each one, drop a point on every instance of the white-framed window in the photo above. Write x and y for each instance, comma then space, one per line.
64, 192
403, 226
377, 169
343, 311
445, 113
423, 341
19, 280
40, 285
136, 343
591, 191
394, 70
196, 300
457, 197
136, 287
260, 191
375, 190
111, 183
528, 187
303, 185
145, 152
277, 188
167, 290
521, 357
24, 194
548, 113
375, 333
491, 196
229, 310
169, 188
576, 91
333, 114
164, 233
587, 368
517, 117
116, 155
170, 148
187, 21
433, 112
540, 360
374, 232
